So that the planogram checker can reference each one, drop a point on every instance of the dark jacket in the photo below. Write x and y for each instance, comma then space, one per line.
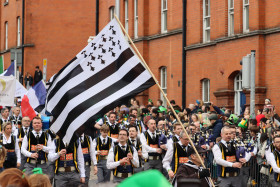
38, 76
30, 79
186, 171
217, 127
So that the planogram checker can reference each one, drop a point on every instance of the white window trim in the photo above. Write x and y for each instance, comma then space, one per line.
18, 31
126, 14
135, 18
6, 35
205, 17
237, 91
163, 12
230, 12
244, 16
163, 83
206, 81
112, 12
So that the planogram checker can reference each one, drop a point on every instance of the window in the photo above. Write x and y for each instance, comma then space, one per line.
205, 90
206, 20
18, 31
6, 35
163, 83
126, 14
230, 17
135, 18
163, 16
245, 15
237, 93
112, 12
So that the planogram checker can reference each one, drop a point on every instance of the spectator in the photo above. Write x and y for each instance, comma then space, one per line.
38, 76
13, 177
28, 81
39, 180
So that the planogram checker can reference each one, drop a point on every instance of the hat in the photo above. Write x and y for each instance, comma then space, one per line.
213, 117
198, 148
199, 110
146, 178
161, 109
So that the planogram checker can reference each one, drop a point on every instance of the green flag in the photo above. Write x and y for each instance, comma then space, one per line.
1, 64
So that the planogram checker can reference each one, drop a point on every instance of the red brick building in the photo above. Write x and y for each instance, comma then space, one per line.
219, 34
53, 30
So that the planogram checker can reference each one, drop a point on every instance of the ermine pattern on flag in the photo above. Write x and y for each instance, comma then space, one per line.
102, 76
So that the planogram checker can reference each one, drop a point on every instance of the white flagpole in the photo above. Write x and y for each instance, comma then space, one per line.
168, 102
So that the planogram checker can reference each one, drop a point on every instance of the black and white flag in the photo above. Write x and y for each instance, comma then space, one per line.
105, 74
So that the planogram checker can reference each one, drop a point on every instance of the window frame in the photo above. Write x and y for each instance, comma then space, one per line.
18, 31
112, 12
6, 35
126, 15
206, 19
246, 21
163, 83
237, 90
164, 16
230, 18
135, 18
207, 82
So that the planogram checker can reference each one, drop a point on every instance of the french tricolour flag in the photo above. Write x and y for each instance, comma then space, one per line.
34, 100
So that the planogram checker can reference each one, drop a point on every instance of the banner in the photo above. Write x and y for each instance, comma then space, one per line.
20, 90
7, 90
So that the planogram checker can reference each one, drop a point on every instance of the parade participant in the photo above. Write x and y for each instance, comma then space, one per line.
135, 142
16, 118
69, 163
122, 158
193, 169
102, 120
150, 141
245, 170
274, 160
139, 123
102, 145
225, 156
10, 143
35, 147
113, 125
89, 155
177, 129
4, 117
176, 155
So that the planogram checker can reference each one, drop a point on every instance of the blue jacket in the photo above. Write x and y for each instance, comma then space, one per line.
217, 127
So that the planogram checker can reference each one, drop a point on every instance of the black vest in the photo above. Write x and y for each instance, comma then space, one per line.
113, 130
120, 154
86, 149
70, 159
151, 142
11, 158
175, 139
228, 156
32, 142
179, 156
100, 146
